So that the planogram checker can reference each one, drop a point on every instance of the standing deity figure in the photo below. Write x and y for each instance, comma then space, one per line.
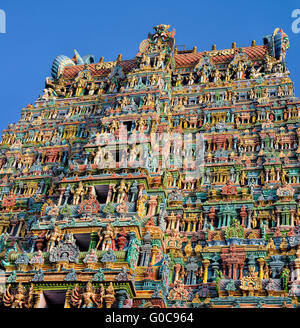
240, 70
145, 61
160, 61
190, 79
217, 76
271, 247
149, 100
141, 123
140, 206
98, 138
67, 194
283, 175
80, 86
106, 236
269, 62
153, 79
133, 153
133, 191
53, 238
121, 191
79, 193
99, 156
89, 298
178, 80
227, 75
124, 102
133, 81
114, 125
203, 76
91, 88
20, 299
188, 249
165, 107
252, 94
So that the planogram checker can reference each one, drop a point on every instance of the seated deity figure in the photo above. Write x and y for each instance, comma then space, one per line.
255, 73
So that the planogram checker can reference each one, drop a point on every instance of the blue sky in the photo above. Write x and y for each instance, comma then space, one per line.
38, 31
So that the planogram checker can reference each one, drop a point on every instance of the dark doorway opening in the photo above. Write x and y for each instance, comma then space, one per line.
101, 193
83, 241
54, 299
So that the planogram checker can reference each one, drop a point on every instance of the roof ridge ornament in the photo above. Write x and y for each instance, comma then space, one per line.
162, 41
278, 43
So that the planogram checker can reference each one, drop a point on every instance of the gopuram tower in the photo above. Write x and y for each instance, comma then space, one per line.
168, 180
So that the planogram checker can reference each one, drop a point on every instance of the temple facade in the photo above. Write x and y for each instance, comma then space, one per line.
168, 180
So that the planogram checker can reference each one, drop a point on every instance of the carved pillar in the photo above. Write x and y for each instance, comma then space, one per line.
261, 263
267, 175
152, 206
172, 223
292, 218
278, 219
109, 194
277, 175
155, 251
205, 221
19, 228
292, 270
194, 225
224, 268
241, 270
235, 266
177, 268
93, 240
169, 224
188, 225
61, 196
12, 228
297, 264
141, 188
229, 270
121, 296
109, 299
67, 299
205, 263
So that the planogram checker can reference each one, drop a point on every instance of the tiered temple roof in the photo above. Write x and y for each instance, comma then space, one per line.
168, 180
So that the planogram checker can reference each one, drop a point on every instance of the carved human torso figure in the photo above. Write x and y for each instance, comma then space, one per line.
53, 237
19, 299
122, 190
107, 236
